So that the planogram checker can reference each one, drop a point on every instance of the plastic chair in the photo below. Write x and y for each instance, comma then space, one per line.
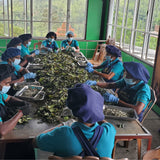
152, 154
99, 57
37, 44
150, 104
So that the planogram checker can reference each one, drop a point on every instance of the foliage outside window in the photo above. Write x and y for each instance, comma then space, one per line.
41, 16
134, 24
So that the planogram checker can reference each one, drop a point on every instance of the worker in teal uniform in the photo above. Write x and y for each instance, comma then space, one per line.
26, 42
8, 104
134, 92
87, 105
17, 42
112, 67
12, 57
70, 42
50, 43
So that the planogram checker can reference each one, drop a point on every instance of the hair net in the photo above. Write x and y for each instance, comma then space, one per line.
85, 103
137, 71
25, 37
113, 50
10, 53
5, 71
69, 32
13, 42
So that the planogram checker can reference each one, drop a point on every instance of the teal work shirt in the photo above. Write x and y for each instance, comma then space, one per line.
24, 51
74, 43
117, 69
3, 97
63, 142
49, 44
142, 95
17, 67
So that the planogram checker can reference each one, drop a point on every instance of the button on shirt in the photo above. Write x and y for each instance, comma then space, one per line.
63, 142
73, 44
142, 95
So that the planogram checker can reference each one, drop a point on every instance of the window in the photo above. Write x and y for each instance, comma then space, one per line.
41, 16
135, 24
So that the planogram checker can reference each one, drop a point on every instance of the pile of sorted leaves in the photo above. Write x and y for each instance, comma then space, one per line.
60, 72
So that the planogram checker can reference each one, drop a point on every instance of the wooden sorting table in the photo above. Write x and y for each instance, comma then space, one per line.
131, 130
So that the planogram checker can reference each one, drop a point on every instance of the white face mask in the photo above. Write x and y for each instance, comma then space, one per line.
16, 61
52, 40
129, 81
70, 39
29, 43
5, 89
19, 47
108, 58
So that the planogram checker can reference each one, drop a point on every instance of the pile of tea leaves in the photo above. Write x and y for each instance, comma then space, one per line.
60, 72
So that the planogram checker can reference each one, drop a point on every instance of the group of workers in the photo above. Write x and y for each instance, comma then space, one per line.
91, 134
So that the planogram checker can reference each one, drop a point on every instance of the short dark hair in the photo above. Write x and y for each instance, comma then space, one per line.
51, 34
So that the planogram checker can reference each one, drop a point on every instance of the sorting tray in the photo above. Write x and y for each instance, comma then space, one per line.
33, 67
117, 112
20, 85
29, 92
40, 96
75, 54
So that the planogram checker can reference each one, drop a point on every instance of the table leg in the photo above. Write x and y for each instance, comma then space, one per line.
139, 147
114, 149
2, 150
149, 143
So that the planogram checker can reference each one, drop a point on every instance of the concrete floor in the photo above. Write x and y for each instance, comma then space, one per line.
152, 123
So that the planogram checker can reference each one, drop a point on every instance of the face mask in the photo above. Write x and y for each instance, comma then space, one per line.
5, 89
70, 39
50, 39
29, 43
19, 47
129, 81
16, 61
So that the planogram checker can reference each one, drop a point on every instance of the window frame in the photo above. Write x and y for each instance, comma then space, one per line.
31, 21
114, 5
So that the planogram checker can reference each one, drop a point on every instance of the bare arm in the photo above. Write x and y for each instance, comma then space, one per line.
10, 124
77, 49
106, 85
18, 80
23, 63
138, 107
104, 75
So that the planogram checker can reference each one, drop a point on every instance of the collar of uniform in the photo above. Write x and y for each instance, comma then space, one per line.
114, 61
23, 46
137, 85
84, 127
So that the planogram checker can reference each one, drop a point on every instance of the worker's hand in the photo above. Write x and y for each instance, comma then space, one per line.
50, 50
30, 75
73, 49
89, 69
37, 52
91, 83
108, 97
90, 64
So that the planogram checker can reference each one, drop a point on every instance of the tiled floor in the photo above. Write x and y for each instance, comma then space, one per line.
152, 123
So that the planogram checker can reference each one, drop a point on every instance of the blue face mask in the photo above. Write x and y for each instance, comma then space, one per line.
129, 81
5, 89
70, 39
16, 61
29, 43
